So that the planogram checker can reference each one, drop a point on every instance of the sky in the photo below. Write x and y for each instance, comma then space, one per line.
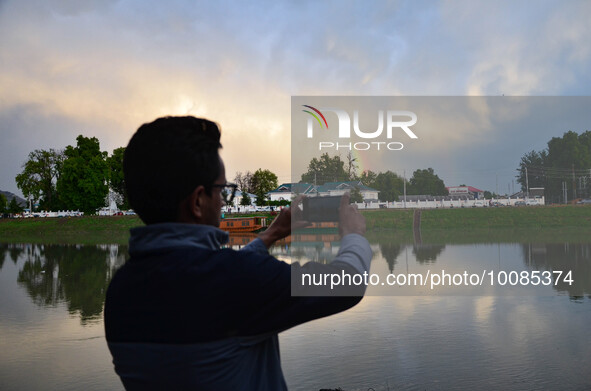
102, 68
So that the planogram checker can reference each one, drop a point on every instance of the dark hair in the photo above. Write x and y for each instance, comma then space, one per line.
165, 161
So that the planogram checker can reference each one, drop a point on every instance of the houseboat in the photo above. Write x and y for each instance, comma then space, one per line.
243, 224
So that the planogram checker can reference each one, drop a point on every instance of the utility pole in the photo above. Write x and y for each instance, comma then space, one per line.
497, 192
574, 184
526, 185
404, 189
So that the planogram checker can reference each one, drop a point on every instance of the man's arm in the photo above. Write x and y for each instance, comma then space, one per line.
287, 301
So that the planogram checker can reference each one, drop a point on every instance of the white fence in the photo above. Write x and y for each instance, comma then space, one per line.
450, 204
61, 213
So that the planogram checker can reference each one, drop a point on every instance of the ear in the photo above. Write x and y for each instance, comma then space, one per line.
192, 207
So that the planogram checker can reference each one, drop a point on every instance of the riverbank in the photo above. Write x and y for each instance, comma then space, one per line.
531, 217
437, 225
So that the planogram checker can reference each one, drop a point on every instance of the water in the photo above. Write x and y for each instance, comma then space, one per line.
52, 336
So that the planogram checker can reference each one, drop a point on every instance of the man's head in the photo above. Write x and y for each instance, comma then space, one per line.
172, 167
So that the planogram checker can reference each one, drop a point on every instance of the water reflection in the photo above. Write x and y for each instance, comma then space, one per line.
575, 257
390, 251
78, 275
474, 258
72, 274
407, 343
427, 253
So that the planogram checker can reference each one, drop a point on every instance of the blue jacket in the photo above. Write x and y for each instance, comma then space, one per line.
184, 314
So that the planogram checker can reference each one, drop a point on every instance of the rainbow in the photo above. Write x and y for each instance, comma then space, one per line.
315, 116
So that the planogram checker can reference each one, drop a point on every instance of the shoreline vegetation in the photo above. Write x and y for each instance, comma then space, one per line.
568, 223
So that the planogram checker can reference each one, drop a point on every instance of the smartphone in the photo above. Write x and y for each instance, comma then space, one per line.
321, 208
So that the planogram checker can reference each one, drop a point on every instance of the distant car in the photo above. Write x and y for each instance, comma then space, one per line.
478, 204
584, 201
520, 203
531, 203
130, 212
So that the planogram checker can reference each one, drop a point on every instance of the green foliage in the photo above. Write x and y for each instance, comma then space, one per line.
83, 183
565, 157
356, 195
116, 177
325, 169
245, 201
279, 203
263, 181
14, 207
390, 185
77, 275
534, 161
368, 178
3, 204
426, 182
38, 179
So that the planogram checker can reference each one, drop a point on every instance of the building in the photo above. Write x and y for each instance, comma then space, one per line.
287, 191
238, 199
339, 188
466, 191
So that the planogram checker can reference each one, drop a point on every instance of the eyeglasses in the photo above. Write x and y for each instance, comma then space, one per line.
228, 191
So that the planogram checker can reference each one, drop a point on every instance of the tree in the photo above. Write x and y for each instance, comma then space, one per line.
3, 204
427, 183
14, 207
389, 184
83, 183
40, 174
245, 201
566, 158
351, 167
532, 170
368, 177
325, 169
244, 181
356, 195
116, 177
263, 181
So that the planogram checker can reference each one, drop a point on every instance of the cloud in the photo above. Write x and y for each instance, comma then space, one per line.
107, 67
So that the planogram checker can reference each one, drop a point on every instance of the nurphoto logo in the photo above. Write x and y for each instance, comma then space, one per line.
393, 124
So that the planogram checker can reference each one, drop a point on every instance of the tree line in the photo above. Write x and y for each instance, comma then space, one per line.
390, 185
11, 207
82, 177
563, 169
77, 177
258, 183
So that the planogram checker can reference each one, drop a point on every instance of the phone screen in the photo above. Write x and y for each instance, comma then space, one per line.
321, 208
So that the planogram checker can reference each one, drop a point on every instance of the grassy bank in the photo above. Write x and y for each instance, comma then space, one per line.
484, 218
72, 230
567, 223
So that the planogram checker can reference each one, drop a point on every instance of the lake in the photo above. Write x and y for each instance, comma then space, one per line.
398, 338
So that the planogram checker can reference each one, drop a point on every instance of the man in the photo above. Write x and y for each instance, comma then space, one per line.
184, 314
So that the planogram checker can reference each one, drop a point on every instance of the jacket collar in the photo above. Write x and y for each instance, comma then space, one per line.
168, 236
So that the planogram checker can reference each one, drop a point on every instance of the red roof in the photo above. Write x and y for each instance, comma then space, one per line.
470, 189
